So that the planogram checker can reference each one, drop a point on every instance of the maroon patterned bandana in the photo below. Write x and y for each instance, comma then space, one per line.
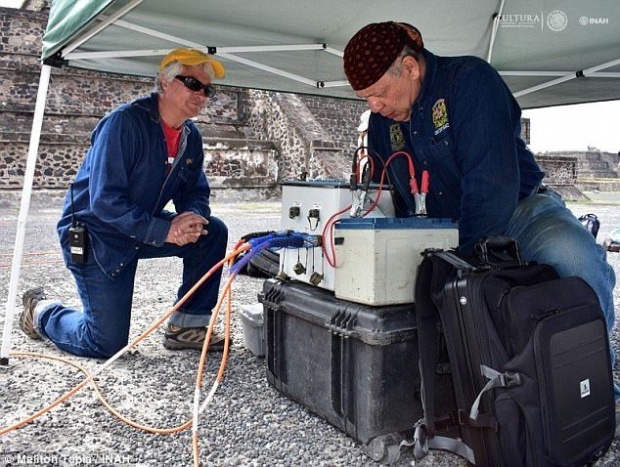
372, 50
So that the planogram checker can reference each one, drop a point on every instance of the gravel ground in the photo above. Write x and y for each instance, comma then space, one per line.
248, 423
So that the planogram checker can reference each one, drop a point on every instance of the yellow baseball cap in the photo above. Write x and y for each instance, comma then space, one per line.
192, 57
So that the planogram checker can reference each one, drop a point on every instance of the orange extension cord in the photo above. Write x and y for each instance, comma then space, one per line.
227, 293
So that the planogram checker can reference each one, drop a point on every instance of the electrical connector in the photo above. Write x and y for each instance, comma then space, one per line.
312, 241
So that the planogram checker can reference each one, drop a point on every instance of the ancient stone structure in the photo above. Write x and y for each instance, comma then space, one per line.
253, 139
594, 169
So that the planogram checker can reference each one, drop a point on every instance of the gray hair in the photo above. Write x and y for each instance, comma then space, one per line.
168, 73
407, 51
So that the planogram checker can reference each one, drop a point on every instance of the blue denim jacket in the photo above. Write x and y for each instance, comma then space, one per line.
465, 131
122, 187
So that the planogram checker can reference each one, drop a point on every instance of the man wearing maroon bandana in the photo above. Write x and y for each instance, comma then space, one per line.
457, 120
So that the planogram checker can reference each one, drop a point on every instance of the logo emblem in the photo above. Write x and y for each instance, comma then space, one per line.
397, 140
584, 387
557, 20
440, 116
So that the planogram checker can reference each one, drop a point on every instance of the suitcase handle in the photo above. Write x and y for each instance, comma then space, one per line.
498, 251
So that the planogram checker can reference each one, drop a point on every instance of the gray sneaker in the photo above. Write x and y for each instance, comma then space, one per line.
177, 338
27, 318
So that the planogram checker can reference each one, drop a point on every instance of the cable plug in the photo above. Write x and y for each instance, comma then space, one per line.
353, 182
311, 241
425, 181
258, 240
357, 203
413, 184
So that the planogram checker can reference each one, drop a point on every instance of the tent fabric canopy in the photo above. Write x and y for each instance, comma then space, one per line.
569, 49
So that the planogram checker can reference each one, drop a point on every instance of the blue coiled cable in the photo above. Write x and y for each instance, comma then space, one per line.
288, 239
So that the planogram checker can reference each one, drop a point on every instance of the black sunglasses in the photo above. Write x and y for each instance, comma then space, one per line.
194, 85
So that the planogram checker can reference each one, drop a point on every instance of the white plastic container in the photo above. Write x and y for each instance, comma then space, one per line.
307, 207
377, 259
252, 322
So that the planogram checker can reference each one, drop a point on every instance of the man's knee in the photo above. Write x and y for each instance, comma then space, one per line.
217, 226
105, 339
218, 233
109, 346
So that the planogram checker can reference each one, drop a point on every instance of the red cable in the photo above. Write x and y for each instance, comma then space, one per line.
425, 181
328, 238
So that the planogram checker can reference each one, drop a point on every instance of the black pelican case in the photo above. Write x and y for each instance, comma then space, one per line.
354, 365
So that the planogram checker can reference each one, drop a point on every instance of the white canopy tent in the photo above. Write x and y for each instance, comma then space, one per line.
550, 52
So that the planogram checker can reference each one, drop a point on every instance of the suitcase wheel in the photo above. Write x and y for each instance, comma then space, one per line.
384, 449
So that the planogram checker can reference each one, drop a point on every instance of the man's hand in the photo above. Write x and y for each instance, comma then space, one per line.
186, 228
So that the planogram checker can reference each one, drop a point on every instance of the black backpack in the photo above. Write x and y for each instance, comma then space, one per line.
526, 359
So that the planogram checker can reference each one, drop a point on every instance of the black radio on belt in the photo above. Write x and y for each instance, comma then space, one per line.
78, 238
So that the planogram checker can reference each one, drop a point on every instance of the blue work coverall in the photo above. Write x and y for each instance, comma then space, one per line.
465, 131
119, 194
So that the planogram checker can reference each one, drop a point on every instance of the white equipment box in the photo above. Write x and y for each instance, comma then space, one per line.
377, 259
308, 207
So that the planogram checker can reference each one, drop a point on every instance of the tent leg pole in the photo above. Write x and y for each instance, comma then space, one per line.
33, 149
494, 26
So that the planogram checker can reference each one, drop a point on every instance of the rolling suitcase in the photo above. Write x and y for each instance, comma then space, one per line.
528, 356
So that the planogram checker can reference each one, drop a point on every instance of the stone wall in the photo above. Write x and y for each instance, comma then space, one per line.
593, 169
253, 139
78, 99
559, 170
284, 119
315, 136
594, 163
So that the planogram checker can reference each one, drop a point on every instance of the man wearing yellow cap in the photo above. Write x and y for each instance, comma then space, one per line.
143, 155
